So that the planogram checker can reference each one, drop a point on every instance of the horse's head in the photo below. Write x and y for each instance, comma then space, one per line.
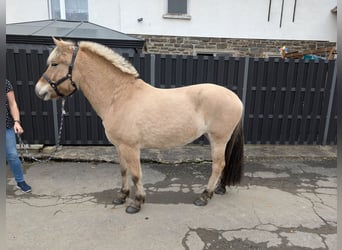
58, 80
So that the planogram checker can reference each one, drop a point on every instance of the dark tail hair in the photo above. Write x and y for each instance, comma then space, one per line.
233, 170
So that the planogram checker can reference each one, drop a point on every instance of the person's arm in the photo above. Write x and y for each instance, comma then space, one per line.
14, 112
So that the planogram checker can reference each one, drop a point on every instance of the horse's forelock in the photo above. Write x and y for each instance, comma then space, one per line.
53, 55
58, 50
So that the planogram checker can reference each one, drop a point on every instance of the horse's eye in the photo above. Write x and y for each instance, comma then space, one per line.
54, 64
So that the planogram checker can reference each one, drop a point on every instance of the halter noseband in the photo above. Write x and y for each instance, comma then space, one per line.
68, 76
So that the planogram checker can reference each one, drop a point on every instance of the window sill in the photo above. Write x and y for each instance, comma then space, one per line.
177, 16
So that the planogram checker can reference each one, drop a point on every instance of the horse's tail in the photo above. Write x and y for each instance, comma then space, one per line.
233, 170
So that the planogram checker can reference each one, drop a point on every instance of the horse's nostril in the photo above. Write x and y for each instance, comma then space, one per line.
39, 94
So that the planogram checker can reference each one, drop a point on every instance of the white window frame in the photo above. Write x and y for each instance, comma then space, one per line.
184, 16
63, 11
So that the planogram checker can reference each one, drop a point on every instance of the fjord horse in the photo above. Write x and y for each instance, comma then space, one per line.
136, 115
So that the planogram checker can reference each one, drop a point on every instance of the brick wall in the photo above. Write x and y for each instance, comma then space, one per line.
225, 46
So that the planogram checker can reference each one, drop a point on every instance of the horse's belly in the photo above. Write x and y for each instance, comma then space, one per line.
166, 141
171, 136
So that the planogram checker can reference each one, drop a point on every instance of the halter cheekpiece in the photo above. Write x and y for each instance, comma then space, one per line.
68, 76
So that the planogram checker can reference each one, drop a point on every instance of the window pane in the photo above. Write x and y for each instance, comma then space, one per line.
55, 9
177, 6
76, 10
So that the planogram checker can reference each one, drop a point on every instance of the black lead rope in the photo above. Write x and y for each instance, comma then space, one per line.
23, 147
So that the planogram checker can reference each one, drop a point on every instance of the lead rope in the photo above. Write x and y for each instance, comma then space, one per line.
23, 147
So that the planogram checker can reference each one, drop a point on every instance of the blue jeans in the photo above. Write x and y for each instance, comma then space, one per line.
12, 155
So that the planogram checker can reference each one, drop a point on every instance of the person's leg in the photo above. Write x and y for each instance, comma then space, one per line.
12, 156
14, 161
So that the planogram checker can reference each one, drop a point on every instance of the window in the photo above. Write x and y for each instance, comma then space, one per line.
74, 10
177, 9
55, 9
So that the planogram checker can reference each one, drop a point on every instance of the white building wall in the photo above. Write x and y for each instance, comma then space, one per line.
18, 11
209, 18
106, 13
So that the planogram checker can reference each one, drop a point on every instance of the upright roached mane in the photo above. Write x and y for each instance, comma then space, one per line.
138, 115
103, 51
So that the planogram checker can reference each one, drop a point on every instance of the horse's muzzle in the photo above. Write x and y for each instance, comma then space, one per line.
42, 92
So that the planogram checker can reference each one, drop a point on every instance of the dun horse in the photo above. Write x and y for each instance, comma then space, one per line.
136, 115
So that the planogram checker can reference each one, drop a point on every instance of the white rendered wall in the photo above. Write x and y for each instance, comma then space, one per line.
18, 11
209, 18
223, 18
106, 13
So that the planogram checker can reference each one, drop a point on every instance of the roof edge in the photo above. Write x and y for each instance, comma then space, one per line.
118, 40
42, 40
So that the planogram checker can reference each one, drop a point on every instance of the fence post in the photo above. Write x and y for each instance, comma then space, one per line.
244, 87
153, 69
331, 99
55, 119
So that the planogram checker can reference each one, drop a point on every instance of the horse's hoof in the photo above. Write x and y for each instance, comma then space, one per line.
132, 210
118, 201
200, 202
220, 190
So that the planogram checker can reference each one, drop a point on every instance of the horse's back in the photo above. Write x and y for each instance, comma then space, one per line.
206, 100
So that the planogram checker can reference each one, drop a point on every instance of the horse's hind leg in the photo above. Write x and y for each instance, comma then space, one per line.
218, 163
130, 156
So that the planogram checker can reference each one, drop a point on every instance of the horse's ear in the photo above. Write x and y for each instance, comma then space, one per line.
56, 41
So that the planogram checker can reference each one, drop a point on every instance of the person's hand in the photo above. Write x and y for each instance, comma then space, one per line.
18, 128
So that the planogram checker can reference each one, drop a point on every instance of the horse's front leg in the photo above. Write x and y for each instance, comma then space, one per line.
124, 191
130, 157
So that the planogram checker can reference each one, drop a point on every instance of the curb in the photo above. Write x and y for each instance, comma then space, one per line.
187, 154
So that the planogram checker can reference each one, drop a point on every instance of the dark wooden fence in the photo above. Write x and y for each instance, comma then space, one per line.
286, 101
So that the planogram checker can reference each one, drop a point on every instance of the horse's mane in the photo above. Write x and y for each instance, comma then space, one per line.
117, 60
108, 54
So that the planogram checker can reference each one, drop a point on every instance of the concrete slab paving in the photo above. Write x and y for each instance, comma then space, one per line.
282, 203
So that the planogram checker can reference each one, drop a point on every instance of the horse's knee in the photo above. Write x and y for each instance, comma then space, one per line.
135, 180
123, 172
138, 185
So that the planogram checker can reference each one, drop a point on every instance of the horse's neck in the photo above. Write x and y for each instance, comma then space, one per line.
104, 88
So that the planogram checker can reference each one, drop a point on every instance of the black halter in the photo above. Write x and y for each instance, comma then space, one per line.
67, 77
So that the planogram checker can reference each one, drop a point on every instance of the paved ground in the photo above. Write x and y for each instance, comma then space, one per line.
287, 200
